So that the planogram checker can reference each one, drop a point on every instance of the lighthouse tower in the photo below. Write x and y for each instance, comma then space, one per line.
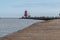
25, 13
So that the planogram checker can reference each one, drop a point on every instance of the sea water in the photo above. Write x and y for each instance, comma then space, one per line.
8, 26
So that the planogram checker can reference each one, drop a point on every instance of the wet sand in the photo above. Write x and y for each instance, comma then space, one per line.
48, 30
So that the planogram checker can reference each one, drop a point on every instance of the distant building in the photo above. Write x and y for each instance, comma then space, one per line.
59, 14
25, 13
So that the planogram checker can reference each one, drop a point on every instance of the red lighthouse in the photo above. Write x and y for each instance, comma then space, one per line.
25, 13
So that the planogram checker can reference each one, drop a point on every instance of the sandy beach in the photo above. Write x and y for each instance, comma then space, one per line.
48, 30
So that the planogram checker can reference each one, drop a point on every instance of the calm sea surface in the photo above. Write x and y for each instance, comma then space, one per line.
8, 26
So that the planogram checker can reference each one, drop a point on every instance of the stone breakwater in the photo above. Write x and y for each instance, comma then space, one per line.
48, 30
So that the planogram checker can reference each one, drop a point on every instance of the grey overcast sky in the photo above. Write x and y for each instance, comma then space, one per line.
15, 8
